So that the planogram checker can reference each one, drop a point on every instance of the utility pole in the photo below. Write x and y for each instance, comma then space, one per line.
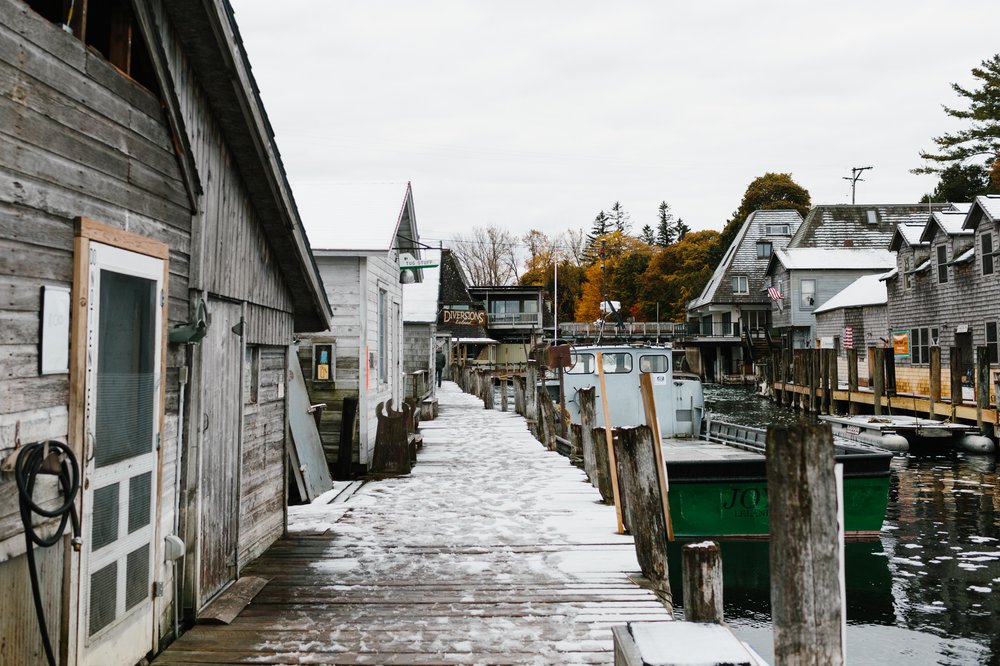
855, 177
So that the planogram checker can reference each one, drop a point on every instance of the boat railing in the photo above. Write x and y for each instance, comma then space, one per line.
739, 435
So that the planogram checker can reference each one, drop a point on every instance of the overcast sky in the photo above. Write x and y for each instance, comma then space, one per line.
538, 114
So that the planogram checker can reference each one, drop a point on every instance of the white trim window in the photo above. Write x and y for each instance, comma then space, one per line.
741, 285
807, 294
942, 263
987, 247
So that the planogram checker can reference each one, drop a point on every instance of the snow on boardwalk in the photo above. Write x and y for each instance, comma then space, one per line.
494, 550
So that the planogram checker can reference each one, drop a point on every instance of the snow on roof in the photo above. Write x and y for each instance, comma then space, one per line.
353, 215
475, 341
923, 266
911, 232
818, 258
951, 222
420, 299
891, 274
866, 290
991, 204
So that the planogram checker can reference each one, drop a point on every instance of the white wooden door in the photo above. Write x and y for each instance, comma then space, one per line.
124, 346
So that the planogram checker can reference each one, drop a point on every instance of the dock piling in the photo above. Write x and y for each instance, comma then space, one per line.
935, 379
955, 366
702, 582
878, 377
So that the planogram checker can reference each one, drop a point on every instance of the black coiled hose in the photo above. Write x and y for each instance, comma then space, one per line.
31, 462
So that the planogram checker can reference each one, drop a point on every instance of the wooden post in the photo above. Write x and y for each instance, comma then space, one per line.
878, 376
503, 394
487, 389
640, 492
585, 398
806, 603
547, 433
562, 403
531, 395
786, 360
852, 380
519, 394
814, 381
702, 582
982, 387
824, 381
955, 366
834, 381
652, 422
603, 466
935, 379
610, 441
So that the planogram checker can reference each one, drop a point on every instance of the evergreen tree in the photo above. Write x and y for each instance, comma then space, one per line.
682, 229
982, 136
960, 183
620, 220
647, 236
600, 227
669, 229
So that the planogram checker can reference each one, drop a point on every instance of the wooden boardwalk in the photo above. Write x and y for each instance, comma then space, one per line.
493, 551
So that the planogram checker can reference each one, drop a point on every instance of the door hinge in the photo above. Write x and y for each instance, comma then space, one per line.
163, 298
158, 588
158, 437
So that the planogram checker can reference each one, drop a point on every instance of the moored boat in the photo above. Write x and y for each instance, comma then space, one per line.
717, 472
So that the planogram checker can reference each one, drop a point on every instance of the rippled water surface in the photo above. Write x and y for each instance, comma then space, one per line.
924, 591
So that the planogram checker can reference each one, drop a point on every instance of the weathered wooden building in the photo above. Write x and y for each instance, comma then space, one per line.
855, 318
729, 317
357, 248
420, 339
462, 317
945, 291
143, 205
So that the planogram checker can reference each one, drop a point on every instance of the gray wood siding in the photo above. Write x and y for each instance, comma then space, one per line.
263, 492
236, 259
418, 351
380, 273
969, 297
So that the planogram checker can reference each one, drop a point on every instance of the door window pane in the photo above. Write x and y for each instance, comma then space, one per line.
103, 597
137, 585
105, 528
138, 501
125, 374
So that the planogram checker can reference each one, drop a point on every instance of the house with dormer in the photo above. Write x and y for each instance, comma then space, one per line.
731, 316
945, 291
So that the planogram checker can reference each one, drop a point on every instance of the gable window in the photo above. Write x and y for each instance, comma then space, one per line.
777, 230
807, 294
987, 245
992, 343
907, 276
763, 249
942, 263
921, 340
740, 284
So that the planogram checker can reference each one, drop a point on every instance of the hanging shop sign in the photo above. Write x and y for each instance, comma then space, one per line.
463, 317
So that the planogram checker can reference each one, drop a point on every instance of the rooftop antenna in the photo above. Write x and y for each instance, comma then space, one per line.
855, 177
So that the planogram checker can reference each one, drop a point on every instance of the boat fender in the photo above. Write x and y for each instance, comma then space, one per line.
893, 442
977, 444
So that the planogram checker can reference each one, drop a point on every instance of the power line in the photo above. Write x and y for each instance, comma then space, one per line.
855, 177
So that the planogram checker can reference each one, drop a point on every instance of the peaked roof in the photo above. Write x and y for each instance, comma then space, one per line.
364, 217
950, 222
866, 290
908, 233
985, 206
741, 257
859, 226
818, 258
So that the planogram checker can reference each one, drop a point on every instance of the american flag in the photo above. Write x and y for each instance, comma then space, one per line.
774, 293
848, 337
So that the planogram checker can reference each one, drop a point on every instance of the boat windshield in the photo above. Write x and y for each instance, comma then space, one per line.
582, 364
654, 363
617, 362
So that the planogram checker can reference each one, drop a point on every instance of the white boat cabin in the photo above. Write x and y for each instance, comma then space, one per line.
678, 396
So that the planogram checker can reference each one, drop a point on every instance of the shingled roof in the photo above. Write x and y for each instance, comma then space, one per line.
859, 226
741, 258
985, 206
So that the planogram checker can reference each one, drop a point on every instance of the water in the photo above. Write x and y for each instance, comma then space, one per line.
924, 591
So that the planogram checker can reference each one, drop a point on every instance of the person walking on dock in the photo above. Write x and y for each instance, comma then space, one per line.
439, 362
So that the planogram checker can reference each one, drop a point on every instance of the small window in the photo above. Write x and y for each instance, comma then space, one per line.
617, 363
942, 263
987, 245
907, 276
251, 375
740, 284
383, 336
763, 249
992, 343
654, 363
777, 230
583, 364
323, 363
808, 294
921, 340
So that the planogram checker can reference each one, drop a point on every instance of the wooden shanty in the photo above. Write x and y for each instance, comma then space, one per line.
154, 270
357, 244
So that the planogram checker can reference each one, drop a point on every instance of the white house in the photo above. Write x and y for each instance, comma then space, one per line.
357, 245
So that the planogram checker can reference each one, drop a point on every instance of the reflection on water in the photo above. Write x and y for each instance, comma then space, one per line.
923, 591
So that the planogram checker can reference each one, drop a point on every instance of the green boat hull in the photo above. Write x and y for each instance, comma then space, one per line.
739, 509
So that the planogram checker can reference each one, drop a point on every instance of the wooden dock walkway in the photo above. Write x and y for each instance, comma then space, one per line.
493, 551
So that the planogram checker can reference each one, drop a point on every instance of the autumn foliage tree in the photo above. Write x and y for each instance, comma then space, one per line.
676, 274
612, 251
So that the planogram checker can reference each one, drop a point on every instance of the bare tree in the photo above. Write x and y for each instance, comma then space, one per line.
488, 255
575, 242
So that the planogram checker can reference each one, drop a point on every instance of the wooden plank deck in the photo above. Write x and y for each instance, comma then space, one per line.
493, 551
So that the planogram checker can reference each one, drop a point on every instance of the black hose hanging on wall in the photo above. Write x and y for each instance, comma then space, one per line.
55, 458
